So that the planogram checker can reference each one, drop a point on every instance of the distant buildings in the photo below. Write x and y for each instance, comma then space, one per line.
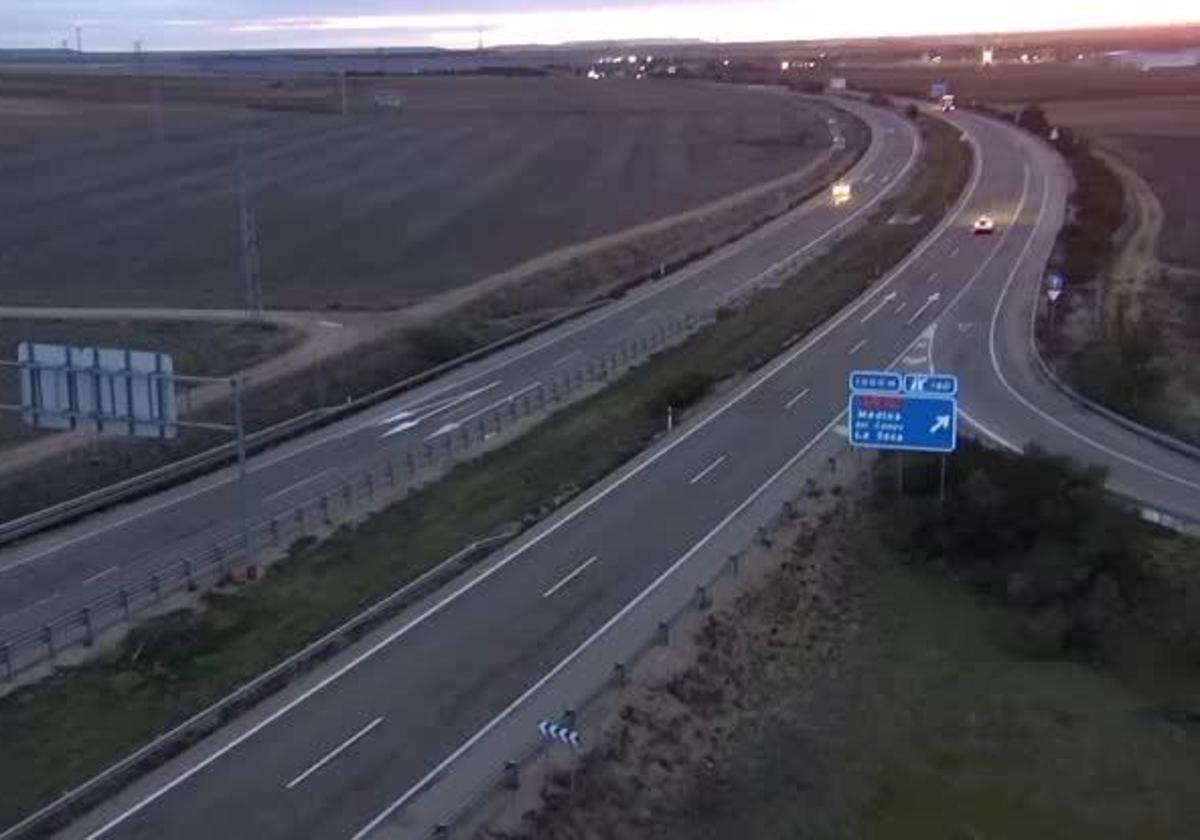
1153, 59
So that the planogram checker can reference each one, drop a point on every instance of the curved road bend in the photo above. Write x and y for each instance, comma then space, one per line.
45, 578
381, 728
987, 339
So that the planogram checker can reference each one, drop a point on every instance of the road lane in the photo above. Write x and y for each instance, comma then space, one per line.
194, 517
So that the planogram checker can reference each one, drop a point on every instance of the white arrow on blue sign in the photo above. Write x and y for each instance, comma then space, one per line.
903, 421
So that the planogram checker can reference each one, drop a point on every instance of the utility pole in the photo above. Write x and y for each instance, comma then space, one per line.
250, 260
79, 39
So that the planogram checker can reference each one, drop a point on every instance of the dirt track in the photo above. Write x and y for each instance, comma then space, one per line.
379, 209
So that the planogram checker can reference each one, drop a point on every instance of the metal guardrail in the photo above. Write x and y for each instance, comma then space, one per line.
1161, 438
370, 483
508, 774
203, 462
1043, 367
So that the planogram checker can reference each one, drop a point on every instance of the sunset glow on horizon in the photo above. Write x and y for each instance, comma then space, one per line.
200, 24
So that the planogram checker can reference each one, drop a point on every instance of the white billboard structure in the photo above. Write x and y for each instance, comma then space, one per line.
125, 392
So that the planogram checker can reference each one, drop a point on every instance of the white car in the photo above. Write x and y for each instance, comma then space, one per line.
984, 225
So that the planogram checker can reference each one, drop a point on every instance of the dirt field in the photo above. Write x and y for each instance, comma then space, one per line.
1158, 137
378, 209
1023, 83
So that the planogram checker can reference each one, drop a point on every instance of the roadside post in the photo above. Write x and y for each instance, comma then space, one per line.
904, 412
122, 392
1055, 285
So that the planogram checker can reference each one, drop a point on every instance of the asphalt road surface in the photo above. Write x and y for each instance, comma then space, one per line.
55, 574
372, 735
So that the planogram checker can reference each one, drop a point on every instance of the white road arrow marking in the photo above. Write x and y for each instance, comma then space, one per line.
941, 422
888, 298
933, 298
416, 421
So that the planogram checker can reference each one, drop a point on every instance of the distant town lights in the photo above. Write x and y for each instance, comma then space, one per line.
785, 66
989, 57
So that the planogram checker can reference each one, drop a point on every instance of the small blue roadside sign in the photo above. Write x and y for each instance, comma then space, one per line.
917, 413
1055, 282
879, 381
940, 384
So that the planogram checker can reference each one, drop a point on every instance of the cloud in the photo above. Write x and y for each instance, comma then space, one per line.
181, 24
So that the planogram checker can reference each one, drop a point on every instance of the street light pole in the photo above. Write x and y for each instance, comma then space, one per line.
245, 500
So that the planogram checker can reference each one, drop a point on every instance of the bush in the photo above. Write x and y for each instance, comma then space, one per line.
1037, 532
1122, 371
684, 391
911, 111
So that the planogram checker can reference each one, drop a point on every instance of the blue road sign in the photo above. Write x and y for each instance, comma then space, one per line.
879, 381
1055, 282
919, 423
941, 384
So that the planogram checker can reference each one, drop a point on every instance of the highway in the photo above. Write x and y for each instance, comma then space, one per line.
59, 572
384, 727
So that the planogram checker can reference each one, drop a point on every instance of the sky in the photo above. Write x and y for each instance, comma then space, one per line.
264, 24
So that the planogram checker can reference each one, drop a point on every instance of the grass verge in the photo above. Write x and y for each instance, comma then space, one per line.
62, 730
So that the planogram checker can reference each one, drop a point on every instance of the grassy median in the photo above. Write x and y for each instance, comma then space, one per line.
59, 732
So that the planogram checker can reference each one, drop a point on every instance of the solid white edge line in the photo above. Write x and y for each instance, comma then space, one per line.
1053, 421
437, 771
698, 477
100, 575
607, 312
297, 485
792, 402
576, 572
638, 467
590, 640
335, 752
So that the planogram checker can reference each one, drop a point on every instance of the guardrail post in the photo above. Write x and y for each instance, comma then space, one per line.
348, 494
390, 472
620, 674
370, 486
124, 596
512, 775
412, 465
764, 539
703, 600
789, 509
664, 633
325, 515
48, 639
428, 454
274, 526
512, 410
187, 573
541, 392
155, 586
734, 564
7, 661
89, 635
